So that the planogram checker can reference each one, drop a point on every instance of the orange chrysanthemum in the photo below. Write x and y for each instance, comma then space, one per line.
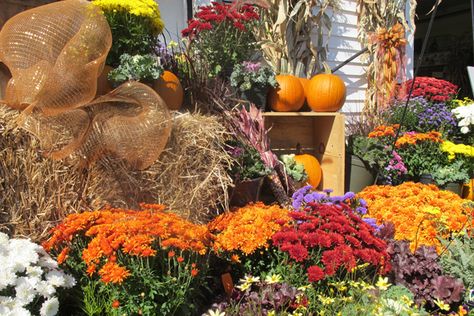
247, 229
113, 273
383, 130
413, 138
131, 232
420, 213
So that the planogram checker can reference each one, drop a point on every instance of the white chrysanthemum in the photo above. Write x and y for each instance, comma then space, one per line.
50, 307
34, 271
45, 289
3, 241
4, 310
7, 302
70, 281
22, 253
55, 278
7, 277
46, 261
19, 311
25, 291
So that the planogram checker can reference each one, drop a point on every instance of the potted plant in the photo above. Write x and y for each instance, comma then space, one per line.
451, 177
295, 170
248, 173
220, 35
253, 80
144, 68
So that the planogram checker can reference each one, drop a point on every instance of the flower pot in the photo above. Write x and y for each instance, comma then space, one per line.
453, 187
468, 190
427, 179
257, 96
358, 176
246, 191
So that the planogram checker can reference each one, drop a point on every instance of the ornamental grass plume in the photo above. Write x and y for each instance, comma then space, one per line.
248, 228
117, 232
419, 212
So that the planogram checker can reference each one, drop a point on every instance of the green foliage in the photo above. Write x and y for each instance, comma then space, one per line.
159, 284
453, 172
247, 75
422, 158
131, 35
249, 163
137, 67
293, 169
458, 260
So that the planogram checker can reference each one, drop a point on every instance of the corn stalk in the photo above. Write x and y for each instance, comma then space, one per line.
374, 16
294, 34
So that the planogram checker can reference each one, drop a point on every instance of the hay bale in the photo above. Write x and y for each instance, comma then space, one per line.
190, 177
37, 192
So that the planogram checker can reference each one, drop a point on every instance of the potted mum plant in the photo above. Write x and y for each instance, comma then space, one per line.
220, 36
144, 68
249, 173
253, 80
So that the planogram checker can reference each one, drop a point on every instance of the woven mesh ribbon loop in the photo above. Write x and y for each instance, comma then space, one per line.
55, 54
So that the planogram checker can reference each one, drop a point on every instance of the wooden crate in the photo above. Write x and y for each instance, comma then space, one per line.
319, 133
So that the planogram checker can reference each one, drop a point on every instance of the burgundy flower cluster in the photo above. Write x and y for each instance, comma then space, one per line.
431, 89
209, 17
327, 237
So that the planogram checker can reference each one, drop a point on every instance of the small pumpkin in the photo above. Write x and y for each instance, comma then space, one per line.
327, 93
288, 96
311, 166
170, 89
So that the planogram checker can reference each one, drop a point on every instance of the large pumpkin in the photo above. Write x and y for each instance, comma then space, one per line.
289, 96
305, 83
312, 168
327, 93
169, 88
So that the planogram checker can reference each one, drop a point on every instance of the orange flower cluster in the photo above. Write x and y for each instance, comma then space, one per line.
412, 138
419, 212
384, 130
129, 231
247, 229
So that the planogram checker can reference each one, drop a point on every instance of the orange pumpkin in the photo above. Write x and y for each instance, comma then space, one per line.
289, 96
312, 168
327, 93
169, 88
305, 83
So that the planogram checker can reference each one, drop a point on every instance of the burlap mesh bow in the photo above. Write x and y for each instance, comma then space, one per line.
55, 54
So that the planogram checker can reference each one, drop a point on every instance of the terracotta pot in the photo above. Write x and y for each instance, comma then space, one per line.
103, 84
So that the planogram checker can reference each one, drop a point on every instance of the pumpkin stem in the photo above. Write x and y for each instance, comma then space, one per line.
298, 149
327, 69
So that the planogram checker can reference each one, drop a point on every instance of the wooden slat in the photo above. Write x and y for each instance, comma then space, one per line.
319, 134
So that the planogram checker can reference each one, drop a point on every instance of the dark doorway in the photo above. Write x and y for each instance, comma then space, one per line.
450, 46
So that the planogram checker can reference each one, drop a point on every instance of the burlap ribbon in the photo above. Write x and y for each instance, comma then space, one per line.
55, 54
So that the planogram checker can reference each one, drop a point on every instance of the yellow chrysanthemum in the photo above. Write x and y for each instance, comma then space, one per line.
143, 8
457, 149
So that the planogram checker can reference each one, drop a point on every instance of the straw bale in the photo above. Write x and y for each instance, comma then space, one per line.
37, 192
